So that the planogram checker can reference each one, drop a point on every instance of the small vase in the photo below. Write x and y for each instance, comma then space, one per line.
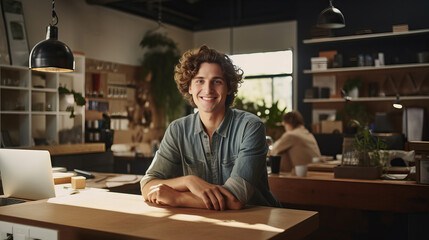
354, 92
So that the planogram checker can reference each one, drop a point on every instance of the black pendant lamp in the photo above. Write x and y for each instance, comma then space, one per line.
331, 17
51, 55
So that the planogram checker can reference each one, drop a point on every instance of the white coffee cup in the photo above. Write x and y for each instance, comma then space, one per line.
301, 170
316, 160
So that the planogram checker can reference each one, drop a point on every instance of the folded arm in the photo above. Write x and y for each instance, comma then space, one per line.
189, 191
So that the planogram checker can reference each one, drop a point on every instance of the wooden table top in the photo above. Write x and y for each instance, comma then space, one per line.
126, 216
321, 188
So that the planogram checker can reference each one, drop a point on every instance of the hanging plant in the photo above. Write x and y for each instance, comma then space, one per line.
161, 54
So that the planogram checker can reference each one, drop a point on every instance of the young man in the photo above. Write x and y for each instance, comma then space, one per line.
215, 158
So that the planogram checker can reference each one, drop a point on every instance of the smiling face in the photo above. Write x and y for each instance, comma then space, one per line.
209, 89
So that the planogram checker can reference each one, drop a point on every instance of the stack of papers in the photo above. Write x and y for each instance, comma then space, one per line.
121, 180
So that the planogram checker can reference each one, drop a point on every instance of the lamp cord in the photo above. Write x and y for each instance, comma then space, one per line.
54, 15
160, 13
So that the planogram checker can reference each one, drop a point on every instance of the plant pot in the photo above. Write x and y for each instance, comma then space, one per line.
354, 92
357, 172
66, 101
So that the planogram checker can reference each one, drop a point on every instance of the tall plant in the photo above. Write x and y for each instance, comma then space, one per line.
161, 54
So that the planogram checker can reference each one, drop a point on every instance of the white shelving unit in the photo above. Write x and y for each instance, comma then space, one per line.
30, 106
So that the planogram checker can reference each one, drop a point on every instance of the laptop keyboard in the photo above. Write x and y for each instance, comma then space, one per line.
10, 201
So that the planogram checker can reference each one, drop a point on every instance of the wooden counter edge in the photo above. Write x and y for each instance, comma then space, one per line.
64, 149
307, 227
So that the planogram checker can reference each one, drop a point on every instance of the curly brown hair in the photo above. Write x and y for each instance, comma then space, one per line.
190, 63
294, 118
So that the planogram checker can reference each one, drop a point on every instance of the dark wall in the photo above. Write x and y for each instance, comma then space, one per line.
378, 16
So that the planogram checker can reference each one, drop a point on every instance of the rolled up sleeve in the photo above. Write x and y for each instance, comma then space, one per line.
166, 163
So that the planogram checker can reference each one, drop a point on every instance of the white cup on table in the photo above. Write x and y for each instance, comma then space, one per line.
301, 170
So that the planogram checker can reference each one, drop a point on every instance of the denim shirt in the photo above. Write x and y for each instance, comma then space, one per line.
236, 159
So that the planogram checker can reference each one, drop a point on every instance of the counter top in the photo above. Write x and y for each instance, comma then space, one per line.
322, 189
64, 149
106, 215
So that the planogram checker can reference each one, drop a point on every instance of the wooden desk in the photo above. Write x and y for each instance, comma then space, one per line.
106, 215
322, 189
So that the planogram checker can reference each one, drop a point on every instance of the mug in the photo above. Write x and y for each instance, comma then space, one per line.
275, 163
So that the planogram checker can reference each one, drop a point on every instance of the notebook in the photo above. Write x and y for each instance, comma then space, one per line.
26, 174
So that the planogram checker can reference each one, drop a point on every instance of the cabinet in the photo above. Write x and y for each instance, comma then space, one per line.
31, 113
407, 78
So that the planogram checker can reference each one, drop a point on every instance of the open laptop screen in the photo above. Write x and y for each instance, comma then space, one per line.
26, 174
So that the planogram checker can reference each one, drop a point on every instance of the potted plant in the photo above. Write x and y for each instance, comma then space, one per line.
270, 115
352, 87
366, 157
68, 98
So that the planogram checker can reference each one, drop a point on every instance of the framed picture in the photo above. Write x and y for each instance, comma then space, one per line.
323, 114
16, 32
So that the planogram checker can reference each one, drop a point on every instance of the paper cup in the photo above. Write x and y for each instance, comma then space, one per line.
301, 170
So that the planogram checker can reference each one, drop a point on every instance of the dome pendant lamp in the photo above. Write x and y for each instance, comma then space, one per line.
331, 17
51, 55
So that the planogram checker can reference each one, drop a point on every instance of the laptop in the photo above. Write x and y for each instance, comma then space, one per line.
26, 174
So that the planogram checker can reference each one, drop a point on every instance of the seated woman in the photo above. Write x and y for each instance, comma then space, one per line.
297, 145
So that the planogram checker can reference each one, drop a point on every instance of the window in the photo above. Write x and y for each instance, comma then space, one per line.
267, 77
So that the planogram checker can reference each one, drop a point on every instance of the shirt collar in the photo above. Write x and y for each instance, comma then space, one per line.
221, 130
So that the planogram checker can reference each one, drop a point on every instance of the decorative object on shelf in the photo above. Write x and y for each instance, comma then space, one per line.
389, 87
352, 86
77, 97
16, 32
408, 86
51, 55
352, 110
331, 17
319, 115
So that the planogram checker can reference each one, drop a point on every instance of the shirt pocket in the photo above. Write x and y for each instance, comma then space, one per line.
194, 167
227, 165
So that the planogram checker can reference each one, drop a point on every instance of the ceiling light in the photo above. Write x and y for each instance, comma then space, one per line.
331, 17
51, 55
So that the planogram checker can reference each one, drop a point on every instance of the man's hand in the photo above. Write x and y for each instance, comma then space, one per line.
163, 194
214, 196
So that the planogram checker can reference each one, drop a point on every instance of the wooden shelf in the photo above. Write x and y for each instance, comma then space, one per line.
364, 99
51, 90
106, 98
14, 112
369, 68
364, 36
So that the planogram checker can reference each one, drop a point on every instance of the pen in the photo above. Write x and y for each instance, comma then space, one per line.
101, 179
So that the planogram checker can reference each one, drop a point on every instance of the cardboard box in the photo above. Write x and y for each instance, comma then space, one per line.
327, 126
319, 63
330, 55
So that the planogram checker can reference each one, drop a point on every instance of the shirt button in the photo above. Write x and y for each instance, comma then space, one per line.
205, 136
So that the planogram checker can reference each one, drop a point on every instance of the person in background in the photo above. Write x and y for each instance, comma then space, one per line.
214, 158
297, 145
